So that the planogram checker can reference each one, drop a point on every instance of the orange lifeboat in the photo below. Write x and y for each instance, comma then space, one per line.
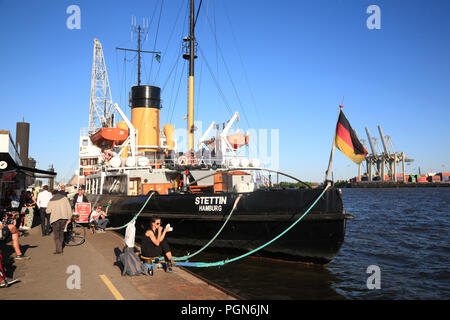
109, 137
238, 140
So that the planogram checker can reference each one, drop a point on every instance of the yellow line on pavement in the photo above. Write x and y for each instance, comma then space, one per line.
111, 288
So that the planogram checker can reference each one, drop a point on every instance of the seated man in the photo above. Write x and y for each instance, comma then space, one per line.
98, 217
9, 232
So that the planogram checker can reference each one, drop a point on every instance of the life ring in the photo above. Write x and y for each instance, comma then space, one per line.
182, 160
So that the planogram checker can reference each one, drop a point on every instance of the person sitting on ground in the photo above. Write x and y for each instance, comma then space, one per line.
155, 243
9, 232
98, 217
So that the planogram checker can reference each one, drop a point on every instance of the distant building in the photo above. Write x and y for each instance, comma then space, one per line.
17, 169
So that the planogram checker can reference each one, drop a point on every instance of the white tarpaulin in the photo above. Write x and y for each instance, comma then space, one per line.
130, 234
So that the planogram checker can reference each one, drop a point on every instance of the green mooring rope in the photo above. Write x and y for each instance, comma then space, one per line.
135, 216
222, 262
214, 238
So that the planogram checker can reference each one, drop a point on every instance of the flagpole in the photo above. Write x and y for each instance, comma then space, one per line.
327, 176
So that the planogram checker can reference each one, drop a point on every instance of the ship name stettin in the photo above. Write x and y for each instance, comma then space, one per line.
210, 203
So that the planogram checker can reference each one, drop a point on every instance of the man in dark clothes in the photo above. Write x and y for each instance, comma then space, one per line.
60, 215
79, 198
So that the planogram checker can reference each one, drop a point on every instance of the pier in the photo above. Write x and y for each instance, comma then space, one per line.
390, 184
90, 272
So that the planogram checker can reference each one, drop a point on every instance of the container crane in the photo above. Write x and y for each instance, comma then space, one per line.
385, 157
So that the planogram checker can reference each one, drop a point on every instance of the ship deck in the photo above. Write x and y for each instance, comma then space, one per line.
46, 276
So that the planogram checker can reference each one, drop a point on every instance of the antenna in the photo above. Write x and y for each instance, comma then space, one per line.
139, 30
145, 28
133, 23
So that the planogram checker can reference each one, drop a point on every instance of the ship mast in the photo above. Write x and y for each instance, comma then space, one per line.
139, 51
190, 55
139, 55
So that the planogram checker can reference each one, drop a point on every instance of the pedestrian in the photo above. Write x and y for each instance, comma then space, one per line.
22, 210
42, 202
30, 203
98, 218
35, 192
63, 190
60, 214
79, 197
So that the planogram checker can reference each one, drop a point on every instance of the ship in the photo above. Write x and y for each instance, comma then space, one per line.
133, 167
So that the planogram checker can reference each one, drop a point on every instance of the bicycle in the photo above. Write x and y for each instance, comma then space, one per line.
76, 233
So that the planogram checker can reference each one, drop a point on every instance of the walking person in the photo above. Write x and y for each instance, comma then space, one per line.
60, 214
35, 192
42, 201
22, 210
63, 190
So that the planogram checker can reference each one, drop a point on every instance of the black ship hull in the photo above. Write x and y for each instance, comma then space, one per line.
258, 218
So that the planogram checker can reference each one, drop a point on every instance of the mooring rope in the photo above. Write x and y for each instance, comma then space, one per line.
214, 238
222, 262
135, 216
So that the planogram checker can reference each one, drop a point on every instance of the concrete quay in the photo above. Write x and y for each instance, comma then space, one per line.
92, 265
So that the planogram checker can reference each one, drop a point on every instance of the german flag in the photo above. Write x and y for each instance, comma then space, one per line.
347, 141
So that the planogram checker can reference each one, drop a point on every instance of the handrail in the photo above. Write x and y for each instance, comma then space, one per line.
249, 169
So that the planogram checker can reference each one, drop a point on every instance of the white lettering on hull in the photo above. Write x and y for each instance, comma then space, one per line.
213, 203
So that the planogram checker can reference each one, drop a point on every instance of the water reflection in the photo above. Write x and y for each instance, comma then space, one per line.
403, 231
262, 278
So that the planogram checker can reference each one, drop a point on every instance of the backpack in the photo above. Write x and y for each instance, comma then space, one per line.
132, 265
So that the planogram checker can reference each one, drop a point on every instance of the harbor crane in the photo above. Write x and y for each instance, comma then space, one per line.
385, 162
102, 109
102, 113
373, 159
101, 104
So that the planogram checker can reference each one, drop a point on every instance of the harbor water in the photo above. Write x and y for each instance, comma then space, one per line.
403, 232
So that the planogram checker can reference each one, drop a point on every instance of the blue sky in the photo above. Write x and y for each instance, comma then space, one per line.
291, 63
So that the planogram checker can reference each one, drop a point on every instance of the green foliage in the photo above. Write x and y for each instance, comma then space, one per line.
342, 184
286, 185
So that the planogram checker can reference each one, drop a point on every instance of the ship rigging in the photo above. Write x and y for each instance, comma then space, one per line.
134, 166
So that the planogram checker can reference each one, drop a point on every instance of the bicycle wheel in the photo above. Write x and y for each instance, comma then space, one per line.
75, 235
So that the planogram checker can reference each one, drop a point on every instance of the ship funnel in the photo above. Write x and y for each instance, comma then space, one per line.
122, 125
168, 130
145, 106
